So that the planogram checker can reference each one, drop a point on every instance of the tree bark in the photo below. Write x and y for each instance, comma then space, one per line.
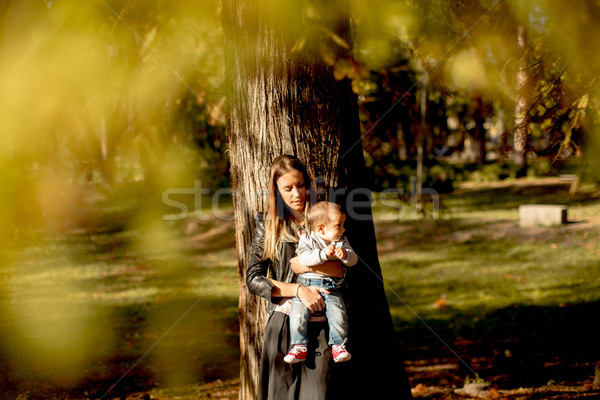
283, 101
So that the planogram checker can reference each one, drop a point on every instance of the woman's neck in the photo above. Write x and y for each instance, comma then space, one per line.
297, 217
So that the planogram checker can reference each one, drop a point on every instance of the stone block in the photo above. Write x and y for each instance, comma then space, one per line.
542, 215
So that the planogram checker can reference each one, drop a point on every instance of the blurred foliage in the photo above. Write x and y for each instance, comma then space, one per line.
106, 94
463, 57
123, 99
445, 177
107, 105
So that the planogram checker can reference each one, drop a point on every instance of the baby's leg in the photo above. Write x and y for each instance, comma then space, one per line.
299, 315
336, 318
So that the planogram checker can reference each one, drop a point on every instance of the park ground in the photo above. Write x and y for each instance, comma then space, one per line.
481, 306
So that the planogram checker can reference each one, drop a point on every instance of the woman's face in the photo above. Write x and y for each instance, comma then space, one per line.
292, 189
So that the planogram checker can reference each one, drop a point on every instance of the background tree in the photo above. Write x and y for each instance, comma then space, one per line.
521, 99
285, 98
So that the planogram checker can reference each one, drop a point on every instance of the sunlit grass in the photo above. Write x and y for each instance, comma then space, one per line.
480, 277
476, 259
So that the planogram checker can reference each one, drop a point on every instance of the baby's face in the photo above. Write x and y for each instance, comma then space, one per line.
334, 230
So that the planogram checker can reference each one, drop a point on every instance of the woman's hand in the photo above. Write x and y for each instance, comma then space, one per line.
311, 297
297, 267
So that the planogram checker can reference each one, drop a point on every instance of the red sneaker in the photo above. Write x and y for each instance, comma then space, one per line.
340, 354
296, 354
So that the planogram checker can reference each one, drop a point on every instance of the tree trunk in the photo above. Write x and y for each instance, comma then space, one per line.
520, 141
281, 101
479, 134
420, 143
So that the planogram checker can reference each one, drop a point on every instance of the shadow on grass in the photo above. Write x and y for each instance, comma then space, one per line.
143, 346
511, 347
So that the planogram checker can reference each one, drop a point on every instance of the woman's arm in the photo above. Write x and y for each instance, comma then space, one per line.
256, 274
329, 268
309, 295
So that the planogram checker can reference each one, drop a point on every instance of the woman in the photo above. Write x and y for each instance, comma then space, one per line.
271, 274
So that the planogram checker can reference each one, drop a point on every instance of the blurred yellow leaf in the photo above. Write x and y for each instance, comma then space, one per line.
582, 102
299, 45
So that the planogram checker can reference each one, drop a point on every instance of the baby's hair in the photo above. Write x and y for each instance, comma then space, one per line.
322, 213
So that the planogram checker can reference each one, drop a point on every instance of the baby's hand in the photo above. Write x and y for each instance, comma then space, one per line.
340, 253
330, 250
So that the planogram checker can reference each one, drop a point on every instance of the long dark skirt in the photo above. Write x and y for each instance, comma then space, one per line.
306, 380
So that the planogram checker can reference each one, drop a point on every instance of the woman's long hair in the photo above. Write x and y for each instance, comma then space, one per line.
279, 225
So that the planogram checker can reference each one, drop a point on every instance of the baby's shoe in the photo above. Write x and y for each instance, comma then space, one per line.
340, 354
296, 354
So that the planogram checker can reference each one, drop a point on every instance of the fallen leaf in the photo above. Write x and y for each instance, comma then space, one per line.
440, 303
420, 388
472, 390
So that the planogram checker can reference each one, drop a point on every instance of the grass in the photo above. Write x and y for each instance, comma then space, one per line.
472, 286
144, 305
474, 271
152, 304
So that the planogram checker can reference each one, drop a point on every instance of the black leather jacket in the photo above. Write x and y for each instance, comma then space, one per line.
258, 270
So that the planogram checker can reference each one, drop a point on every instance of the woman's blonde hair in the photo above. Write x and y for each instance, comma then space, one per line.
279, 225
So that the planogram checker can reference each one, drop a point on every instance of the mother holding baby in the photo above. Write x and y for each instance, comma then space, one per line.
272, 273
